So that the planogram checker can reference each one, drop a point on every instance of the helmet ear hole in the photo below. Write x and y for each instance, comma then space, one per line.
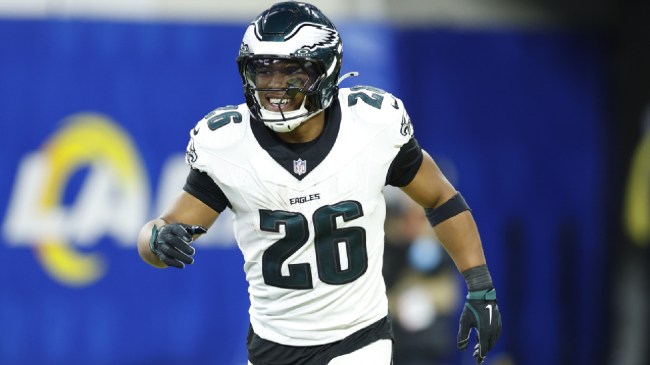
296, 32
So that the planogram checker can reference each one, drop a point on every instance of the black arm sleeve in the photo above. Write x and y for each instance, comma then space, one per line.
405, 165
202, 187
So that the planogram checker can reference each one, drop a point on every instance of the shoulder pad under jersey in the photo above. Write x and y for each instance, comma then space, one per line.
376, 106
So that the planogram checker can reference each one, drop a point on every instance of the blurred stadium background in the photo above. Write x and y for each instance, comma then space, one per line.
538, 110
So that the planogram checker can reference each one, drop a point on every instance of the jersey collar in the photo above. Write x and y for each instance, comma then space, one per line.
300, 162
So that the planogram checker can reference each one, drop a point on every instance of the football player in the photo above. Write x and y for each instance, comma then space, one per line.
301, 165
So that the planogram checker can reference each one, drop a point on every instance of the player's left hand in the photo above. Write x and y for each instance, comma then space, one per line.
482, 313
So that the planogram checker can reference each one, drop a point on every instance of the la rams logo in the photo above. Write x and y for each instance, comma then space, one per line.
112, 200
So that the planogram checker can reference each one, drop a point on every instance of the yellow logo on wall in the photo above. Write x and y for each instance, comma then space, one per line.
637, 199
113, 199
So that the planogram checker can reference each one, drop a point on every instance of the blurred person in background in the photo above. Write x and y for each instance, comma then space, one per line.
421, 284
302, 165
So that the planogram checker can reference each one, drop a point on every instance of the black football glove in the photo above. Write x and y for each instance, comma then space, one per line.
482, 313
171, 243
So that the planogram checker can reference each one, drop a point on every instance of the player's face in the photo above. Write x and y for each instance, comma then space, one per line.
281, 83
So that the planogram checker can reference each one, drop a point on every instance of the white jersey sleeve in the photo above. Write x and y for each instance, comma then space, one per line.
205, 146
381, 108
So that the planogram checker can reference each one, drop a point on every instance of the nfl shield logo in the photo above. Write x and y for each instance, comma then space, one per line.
299, 167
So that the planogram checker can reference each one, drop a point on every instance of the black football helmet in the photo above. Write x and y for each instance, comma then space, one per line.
296, 34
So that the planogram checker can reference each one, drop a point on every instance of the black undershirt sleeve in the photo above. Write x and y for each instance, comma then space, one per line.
202, 187
405, 165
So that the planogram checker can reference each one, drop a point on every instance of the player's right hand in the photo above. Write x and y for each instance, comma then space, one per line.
171, 243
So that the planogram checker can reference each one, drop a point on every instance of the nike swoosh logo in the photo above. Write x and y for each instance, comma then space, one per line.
395, 105
489, 306
195, 130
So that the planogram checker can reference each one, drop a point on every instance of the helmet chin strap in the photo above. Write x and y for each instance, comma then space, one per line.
283, 122
291, 93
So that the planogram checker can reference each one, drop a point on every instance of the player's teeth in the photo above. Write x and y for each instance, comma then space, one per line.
279, 101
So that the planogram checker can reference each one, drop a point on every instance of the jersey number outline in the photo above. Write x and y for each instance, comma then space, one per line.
227, 114
327, 237
375, 99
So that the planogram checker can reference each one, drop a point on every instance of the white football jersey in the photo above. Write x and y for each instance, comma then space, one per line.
310, 225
